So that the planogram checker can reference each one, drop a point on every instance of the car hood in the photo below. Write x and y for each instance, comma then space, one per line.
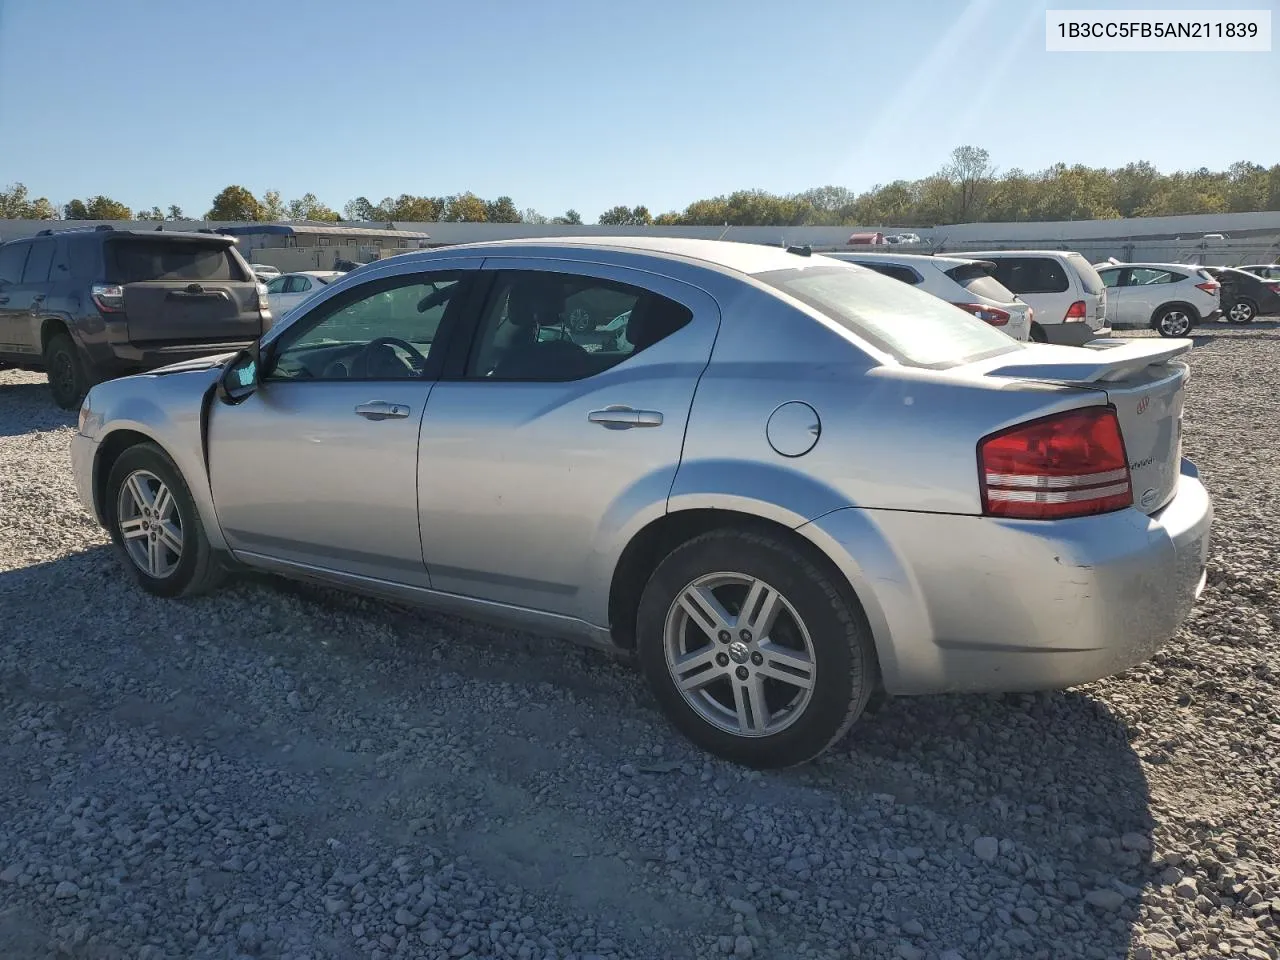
191, 366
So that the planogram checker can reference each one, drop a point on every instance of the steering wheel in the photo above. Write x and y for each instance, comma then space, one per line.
361, 361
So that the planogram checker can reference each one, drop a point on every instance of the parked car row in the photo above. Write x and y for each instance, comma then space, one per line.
766, 489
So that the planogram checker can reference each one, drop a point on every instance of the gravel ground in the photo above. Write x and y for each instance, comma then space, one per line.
280, 771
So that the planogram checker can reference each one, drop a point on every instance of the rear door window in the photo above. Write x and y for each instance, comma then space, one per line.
1110, 278
914, 327
1088, 275
977, 279
1144, 276
12, 258
140, 260
38, 262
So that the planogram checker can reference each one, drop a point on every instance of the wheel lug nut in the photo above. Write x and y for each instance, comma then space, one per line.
757, 659
722, 659
724, 636
742, 673
744, 636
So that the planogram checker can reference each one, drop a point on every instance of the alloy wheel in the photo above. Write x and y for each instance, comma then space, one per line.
1240, 312
149, 524
739, 654
1175, 323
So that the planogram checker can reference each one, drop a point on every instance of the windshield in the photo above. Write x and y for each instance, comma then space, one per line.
914, 327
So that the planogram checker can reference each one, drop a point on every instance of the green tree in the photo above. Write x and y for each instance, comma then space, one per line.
570, 218
531, 215
271, 206
970, 172
15, 204
175, 212
361, 209
502, 210
75, 210
465, 208
669, 219
104, 208
153, 214
307, 207
235, 203
626, 217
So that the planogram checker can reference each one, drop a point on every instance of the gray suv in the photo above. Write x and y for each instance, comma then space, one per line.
87, 305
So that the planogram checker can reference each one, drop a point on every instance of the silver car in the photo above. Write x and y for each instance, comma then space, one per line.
794, 484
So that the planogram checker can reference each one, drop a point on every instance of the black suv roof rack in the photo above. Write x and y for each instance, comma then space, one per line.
45, 233
104, 226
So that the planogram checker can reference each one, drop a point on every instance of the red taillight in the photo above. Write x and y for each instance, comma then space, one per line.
1209, 286
108, 297
1068, 465
1075, 312
992, 315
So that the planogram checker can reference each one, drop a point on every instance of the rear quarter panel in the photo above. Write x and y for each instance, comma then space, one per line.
891, 437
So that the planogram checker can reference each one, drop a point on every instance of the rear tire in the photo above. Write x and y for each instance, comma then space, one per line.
154, 523
758, 689
1242, 311
62, 365
1174, 321
1037, 333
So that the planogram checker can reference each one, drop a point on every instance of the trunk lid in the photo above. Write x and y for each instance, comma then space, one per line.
179, 291
1145, 383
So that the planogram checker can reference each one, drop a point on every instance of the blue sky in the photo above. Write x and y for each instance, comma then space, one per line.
585, 103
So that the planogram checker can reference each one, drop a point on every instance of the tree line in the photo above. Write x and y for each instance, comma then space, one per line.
968, 188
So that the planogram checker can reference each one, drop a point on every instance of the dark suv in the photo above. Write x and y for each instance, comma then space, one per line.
88, 305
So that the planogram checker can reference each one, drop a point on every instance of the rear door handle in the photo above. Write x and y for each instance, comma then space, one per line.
381, 410
618, 417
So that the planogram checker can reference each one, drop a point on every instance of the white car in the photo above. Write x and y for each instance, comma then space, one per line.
289, 289
968, 284
264, 271
1267, 271
1170, 298
1066, 291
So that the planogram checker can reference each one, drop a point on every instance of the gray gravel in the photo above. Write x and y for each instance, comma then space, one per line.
281, 771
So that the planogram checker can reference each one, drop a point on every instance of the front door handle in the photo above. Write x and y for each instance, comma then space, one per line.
618, 417
381, 410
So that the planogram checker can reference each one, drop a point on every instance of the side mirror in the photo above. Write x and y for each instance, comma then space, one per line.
239, 378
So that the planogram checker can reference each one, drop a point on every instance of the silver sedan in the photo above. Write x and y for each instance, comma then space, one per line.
793, 485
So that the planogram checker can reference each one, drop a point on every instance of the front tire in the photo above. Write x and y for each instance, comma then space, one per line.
1242, 311
67, 380
753, 652
1175, 321
154, 524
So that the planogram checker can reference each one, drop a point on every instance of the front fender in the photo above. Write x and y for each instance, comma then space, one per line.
172, 418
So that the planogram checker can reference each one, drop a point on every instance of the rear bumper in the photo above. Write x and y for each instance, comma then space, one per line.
1073, 334
973, 604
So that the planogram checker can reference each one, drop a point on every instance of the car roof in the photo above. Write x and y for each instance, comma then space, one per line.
1158, 266
746, 258
992, 254
112, 232
941, 262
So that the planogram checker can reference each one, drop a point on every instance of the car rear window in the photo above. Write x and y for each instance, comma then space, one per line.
914, 327
1088, 276
137, 261
977, 279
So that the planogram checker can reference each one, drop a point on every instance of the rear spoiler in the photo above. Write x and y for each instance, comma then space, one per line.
1117, 359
